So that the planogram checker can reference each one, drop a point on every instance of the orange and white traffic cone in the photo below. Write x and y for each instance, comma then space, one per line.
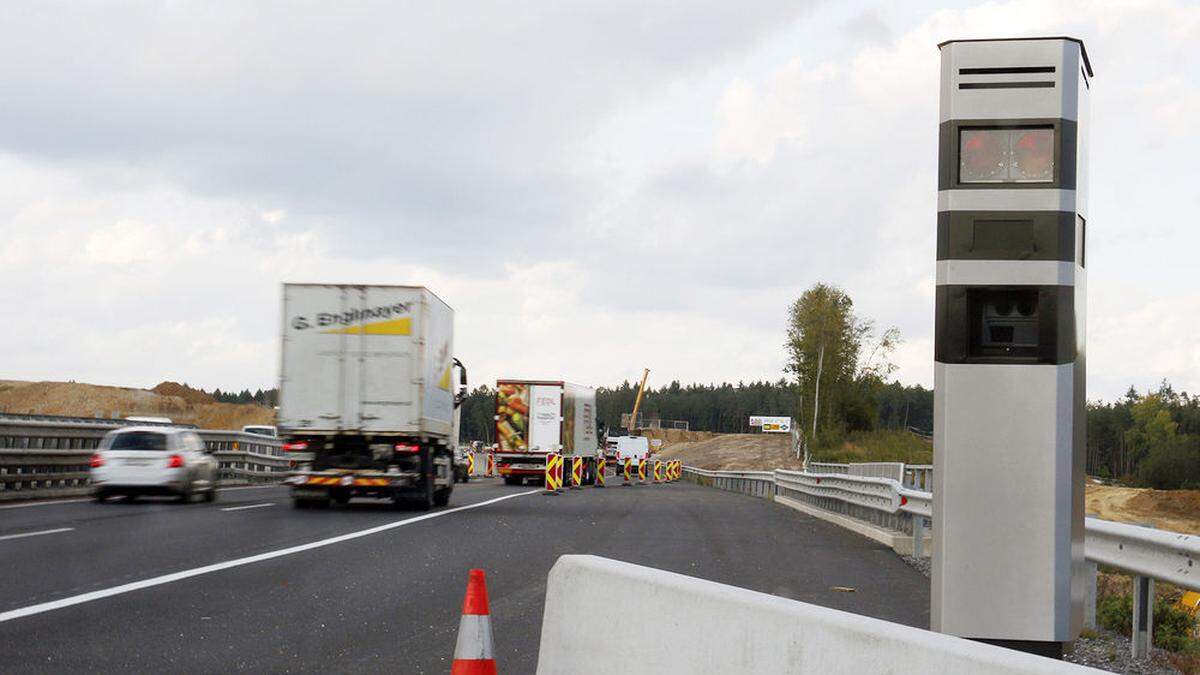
473, 653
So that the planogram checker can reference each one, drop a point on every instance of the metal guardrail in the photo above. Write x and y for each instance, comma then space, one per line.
754, 483
918, 476
1167, 556
1147, 553
46, 456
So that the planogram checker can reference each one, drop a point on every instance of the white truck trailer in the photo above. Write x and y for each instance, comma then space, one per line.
537, 417
368, 393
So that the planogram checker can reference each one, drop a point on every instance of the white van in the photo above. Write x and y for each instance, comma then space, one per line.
260, 429
636, 448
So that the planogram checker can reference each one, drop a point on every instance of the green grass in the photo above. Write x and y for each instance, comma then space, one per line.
883, 445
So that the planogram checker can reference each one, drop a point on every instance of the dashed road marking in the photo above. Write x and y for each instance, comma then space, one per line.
250, 506
36, 534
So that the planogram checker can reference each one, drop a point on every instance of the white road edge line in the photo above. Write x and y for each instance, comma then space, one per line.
251, 506
36, 534
238, 562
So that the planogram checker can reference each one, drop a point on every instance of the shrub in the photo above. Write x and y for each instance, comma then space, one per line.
1173, 627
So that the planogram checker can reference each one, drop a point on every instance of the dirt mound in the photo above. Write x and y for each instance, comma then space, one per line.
193, 396
669, 436
745, 452
1174, 510
177, 402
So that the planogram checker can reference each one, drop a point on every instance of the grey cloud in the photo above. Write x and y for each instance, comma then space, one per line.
387, 119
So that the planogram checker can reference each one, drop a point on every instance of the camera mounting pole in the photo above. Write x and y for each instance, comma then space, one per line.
1009, 388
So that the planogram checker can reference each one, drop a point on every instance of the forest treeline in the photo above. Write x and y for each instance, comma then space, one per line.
722, 408
1149, 438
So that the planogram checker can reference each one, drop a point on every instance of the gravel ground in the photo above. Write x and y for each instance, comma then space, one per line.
1110, 651
1106, 650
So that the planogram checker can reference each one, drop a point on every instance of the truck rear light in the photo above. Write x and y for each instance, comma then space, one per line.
295, 446
175, 462
97, 461
404, 448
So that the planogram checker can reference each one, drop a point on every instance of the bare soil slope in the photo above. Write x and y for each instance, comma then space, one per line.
1174, 510
168, 399
745, 452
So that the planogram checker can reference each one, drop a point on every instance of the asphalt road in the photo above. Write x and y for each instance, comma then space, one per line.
250, 584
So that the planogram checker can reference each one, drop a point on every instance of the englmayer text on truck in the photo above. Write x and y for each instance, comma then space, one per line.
368, 394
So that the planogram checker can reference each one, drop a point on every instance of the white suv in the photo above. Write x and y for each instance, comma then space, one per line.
153, 461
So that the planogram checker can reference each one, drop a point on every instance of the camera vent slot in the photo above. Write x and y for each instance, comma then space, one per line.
1013, 70
1005, 85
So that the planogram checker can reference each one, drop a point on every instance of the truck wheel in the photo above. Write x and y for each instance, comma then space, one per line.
442, 497
426, 495
512, 480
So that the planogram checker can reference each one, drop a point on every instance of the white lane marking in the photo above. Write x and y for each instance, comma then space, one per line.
49, 503
251, 506
52, 502
238, 562
36, 534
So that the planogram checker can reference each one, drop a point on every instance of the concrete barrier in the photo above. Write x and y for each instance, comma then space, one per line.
660, 623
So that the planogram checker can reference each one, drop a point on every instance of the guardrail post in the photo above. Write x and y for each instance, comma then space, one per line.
918, 527
1143, 616
1090, 573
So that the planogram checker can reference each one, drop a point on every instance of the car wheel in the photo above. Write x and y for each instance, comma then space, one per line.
101, 496
185, 497
211, 495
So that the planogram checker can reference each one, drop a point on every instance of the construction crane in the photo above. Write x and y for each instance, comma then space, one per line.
637, 403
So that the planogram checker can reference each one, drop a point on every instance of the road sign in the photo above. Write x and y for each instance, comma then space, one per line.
771, 425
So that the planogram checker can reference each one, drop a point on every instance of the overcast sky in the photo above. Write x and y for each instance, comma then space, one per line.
593, 186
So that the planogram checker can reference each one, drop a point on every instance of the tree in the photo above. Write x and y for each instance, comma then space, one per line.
825, 341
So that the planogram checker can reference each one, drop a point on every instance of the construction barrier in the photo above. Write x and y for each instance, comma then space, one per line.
470, 464
553, 474
641, 472
473, 652
601, 465
688, 625
491, 465
627, 471
658, 471
576, 472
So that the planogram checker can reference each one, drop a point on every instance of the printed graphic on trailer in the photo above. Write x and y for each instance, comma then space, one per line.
512, 417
